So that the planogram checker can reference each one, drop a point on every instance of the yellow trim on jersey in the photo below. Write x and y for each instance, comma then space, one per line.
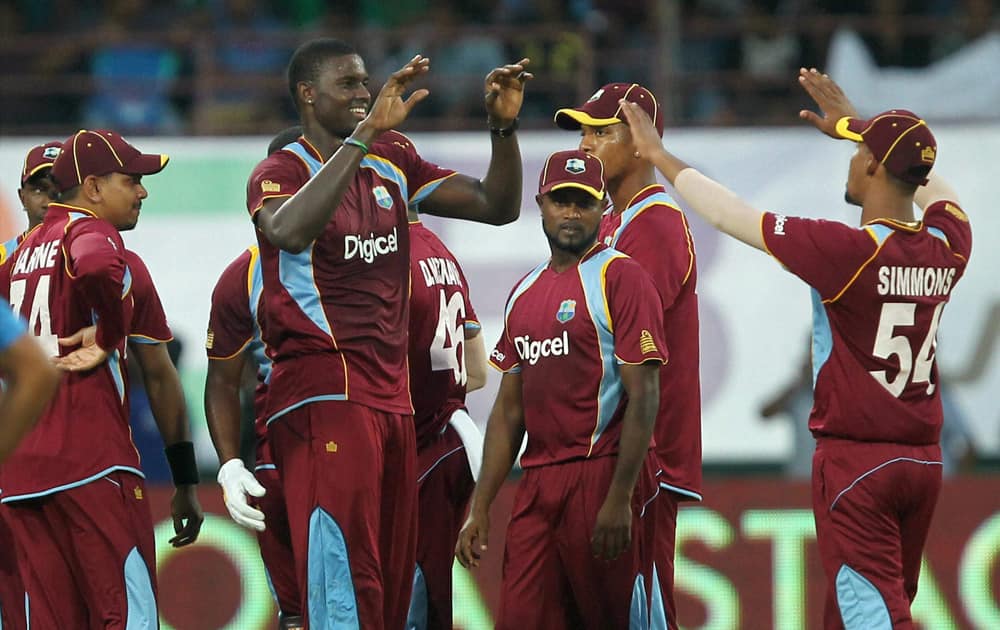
636, 195
690, 241
254, 212
644, 361
312, 147
860, 269
254, 255
235, 354
153, 339
604, 289
433, 181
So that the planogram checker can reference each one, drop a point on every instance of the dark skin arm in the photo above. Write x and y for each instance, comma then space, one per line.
166, 400
31, 381
222, 405
613, 530
293, 223
504, 433
496, 199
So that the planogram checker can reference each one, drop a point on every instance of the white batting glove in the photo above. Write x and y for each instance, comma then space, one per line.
237, 482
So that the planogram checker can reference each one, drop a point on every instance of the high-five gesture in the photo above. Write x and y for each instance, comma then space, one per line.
505, 92
390, 108
831, 100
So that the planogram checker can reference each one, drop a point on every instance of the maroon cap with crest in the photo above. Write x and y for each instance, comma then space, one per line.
572, 169
899, 140
38, 159
603, 108
101, 152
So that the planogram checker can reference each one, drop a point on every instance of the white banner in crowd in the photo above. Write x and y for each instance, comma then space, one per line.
755, 318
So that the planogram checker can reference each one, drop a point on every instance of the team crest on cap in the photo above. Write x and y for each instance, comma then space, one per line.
575, 166
566, 311
598, 94
51, 153
928, 154
382, 197
269, 187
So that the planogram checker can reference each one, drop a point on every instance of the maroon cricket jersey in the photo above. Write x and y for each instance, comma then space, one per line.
233, 328
149, 321
440, 314
567, 334
878, 293
337, 313
654, 232
66, 275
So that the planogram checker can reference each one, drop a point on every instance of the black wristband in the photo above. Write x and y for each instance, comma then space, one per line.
183, 467
505, 132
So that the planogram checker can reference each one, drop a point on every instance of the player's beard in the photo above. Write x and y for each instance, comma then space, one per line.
571, 246
851, 200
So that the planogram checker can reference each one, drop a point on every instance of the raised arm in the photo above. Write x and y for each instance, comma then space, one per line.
496, 199
504, 432
714, 202
293, 223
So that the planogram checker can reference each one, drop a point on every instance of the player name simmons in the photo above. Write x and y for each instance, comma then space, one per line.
915, 281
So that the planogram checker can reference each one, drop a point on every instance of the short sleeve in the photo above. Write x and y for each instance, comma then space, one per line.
422, 177
230, 322
149, 322
658, 239
636, 313
280, 175
827, 255
948, 217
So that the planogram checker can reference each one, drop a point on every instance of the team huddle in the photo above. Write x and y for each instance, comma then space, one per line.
370, 477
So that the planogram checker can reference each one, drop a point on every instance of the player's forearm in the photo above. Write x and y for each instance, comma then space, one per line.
502, 184
720, 207
475, 362
936, 189
301, 219
30, 383
166, 401
504, 434
637, 433
222, 413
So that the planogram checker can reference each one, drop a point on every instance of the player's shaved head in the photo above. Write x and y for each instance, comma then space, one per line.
307, 61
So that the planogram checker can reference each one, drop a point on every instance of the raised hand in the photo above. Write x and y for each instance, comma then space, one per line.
832, 101
88, 356
505, 92
390, 108
645, 139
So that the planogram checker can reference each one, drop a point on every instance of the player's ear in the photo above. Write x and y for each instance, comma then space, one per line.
306, 92
91, 188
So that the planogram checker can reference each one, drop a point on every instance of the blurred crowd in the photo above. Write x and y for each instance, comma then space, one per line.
216, 66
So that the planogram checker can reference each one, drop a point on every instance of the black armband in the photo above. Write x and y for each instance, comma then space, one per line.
505, 132
183, 467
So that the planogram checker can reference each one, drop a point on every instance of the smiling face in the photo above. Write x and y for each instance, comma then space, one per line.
339, 96
571, 218
612, 144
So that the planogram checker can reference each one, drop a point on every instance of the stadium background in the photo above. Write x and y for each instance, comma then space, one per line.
202, 81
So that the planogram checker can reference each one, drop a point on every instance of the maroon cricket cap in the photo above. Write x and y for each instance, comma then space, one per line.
899, 140
38, 159
101, 152
603, 107
572, 169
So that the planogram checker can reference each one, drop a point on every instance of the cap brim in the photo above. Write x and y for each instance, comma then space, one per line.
850, 128
35, 171
588, 189
146, 164
573, 119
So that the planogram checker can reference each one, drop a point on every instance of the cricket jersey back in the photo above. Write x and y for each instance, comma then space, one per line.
440, 314
878, 295
84, 432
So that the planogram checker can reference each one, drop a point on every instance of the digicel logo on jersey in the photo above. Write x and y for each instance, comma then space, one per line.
369, 248
531, 351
